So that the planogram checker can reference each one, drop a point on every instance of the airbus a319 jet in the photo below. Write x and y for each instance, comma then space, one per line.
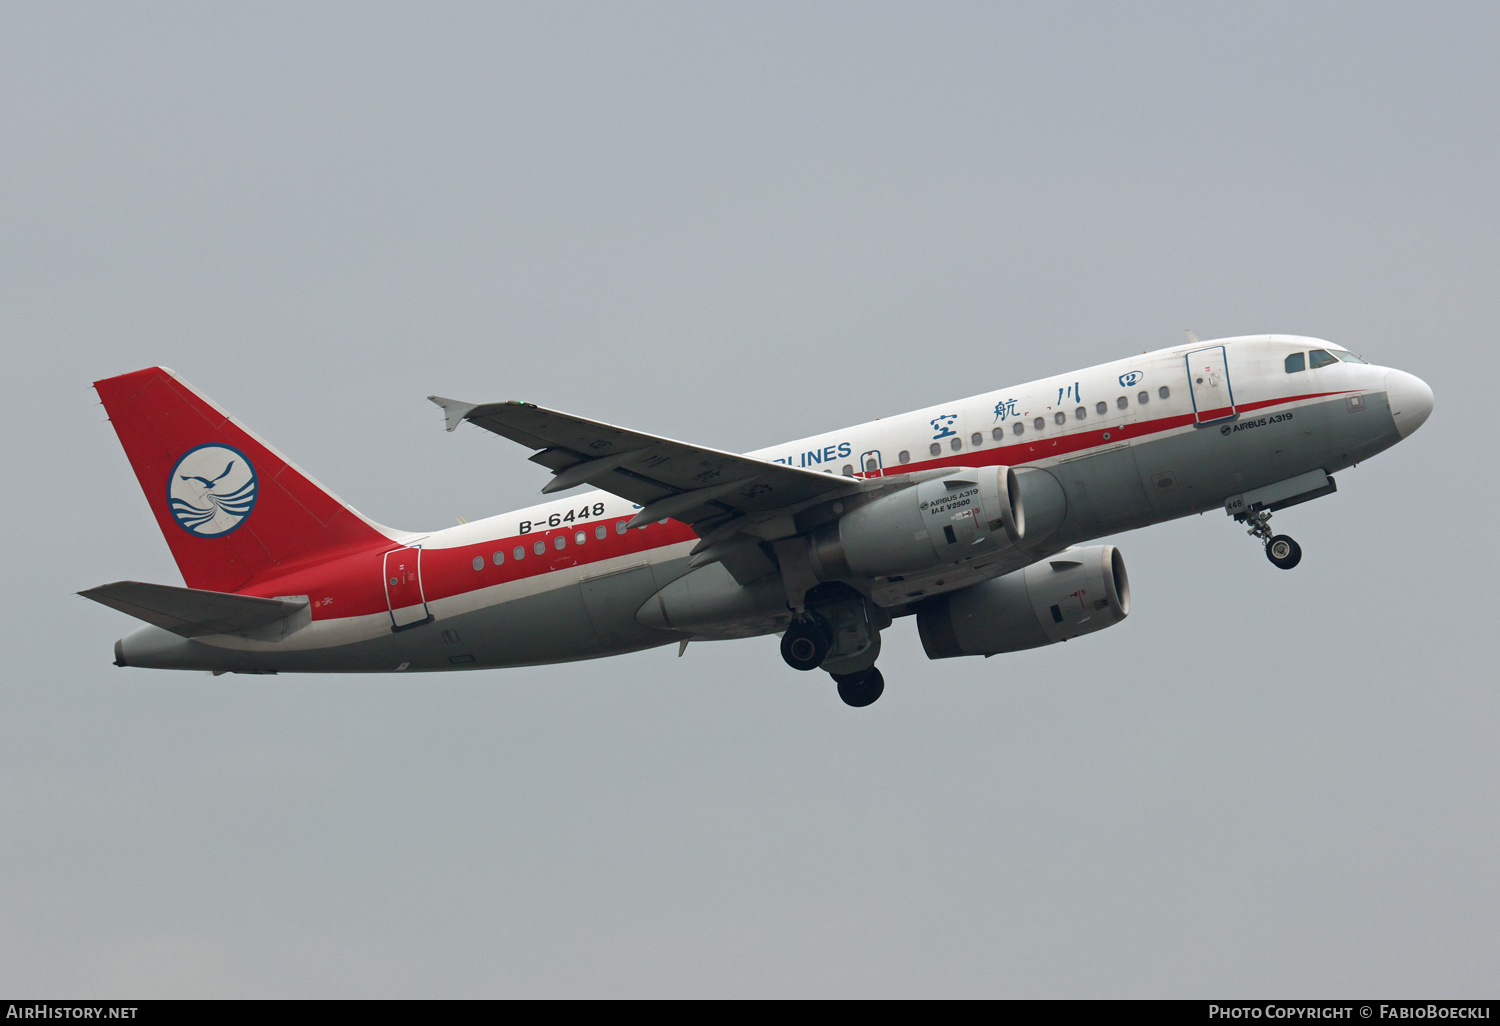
970, 516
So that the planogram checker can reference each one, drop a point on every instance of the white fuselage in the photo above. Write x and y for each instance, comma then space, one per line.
1129, 443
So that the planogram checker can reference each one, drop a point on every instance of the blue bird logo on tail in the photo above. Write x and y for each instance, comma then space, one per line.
209, 506
206, 482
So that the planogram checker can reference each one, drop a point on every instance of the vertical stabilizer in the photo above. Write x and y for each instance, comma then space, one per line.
232, 508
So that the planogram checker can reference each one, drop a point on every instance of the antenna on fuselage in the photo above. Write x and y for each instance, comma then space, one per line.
1191, 337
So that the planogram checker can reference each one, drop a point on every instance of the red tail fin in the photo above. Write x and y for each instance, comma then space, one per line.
232, 508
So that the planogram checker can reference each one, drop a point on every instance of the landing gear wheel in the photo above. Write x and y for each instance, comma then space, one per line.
860, 689
1280, 550
805, 643
1283, 552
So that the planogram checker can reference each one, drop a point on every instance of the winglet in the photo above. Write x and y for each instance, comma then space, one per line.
453, 410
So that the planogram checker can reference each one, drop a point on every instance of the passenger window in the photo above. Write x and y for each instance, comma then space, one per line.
848, 470
1296, 362
1143, 398
580, 538
560, 542
1123, 402
539, 548
1080, 413
620, 526
1039, 423
998, 433
976, 440
600, 532
519, 552
1321, 358
1164, 391
1020, 428
871, 466
905, 456
957, 444
498, 558
1101, 408
1060, 417
478, 562
935, 449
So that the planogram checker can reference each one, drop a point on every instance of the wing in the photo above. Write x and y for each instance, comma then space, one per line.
717, 492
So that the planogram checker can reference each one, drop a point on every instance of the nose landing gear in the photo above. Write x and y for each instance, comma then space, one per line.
1281, 550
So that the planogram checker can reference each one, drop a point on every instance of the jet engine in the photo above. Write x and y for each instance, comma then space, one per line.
1076, 592
969, 512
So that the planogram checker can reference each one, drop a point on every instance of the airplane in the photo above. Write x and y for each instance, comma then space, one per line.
971, 516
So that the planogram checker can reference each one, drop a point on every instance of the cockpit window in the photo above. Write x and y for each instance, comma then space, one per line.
1296, 362
1321, 358
1346, 356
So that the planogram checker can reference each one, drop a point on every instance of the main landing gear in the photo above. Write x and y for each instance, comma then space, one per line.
1281, 550
860, 689
806, 642
842, 637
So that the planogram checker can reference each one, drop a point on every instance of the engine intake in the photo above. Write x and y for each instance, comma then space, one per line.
1076, 592
969, 512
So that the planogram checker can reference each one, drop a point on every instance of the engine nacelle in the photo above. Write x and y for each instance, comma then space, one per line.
966, 513
1076, 592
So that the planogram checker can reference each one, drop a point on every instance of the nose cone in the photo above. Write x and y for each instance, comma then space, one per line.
1410, 399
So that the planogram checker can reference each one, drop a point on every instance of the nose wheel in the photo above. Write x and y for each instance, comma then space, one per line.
1281, 550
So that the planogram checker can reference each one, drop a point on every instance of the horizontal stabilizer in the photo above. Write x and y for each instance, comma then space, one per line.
192, 613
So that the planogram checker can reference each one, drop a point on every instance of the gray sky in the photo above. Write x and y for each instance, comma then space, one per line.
739, 225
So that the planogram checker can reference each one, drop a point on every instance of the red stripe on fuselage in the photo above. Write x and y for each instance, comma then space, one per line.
1018, 454
354, 585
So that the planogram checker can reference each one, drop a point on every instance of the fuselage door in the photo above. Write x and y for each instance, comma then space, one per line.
870, 464
403, 587
1208, 381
